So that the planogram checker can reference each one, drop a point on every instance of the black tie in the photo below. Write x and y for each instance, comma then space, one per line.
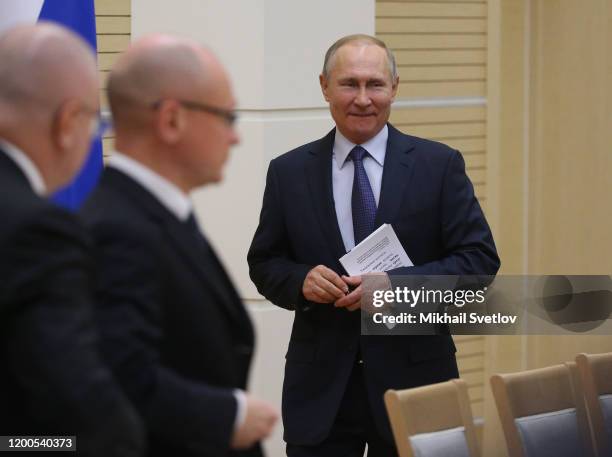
192, 224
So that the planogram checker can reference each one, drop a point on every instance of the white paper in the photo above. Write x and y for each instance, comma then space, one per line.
380, 251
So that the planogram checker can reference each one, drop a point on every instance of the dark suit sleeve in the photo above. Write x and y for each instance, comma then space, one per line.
51, 341
466, 236
277, 278
177, 410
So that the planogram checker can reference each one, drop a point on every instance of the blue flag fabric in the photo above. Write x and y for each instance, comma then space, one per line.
78, 15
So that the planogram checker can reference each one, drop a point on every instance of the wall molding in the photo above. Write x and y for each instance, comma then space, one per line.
322, 112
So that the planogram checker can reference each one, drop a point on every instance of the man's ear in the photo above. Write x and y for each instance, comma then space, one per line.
394, 87
65, 124
170, 121
324, 85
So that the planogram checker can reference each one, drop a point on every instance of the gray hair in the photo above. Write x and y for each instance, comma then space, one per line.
358, 38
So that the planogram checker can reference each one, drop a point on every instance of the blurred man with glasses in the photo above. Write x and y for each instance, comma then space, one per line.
173, 327
53, 380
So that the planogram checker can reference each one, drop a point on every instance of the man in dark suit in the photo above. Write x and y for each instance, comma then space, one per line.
53, 380
323, 198
173, 327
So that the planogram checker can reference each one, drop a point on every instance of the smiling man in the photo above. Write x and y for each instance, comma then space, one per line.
323, 198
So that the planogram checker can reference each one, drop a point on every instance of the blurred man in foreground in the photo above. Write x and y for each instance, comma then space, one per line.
174, 329
53, 381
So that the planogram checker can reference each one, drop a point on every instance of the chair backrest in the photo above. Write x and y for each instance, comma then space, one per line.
433, 421
581, 406
596, 376
538, 413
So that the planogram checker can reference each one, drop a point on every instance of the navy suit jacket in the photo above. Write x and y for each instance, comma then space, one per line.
429, 200
173, 328
53, 380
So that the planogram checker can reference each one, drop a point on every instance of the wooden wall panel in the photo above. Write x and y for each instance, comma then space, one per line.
113, 7
113, 26
412, 57
438, 115
441, 52
431, 25
446, 89
410, 40
112, 43
430, 10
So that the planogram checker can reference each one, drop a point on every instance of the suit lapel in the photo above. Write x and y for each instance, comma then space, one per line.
319, 175
397, 173
205, 265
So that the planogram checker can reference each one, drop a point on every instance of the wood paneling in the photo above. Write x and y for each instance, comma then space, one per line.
431, 25
113, 27
442, 73
446, 89
571, 162
415, 58
113, 7
441, 52
113, 24
430, 10
441, 132
438, 115
106, 60
410, 40
112, 43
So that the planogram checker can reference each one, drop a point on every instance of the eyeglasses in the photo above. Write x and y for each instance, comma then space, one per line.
228, 116
99, 123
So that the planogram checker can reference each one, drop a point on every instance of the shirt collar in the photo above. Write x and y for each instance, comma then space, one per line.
27, 167
168, 194
376, 146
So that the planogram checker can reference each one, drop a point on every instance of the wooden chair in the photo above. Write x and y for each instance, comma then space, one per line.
540, 415
433, 421
596, 376
581, 406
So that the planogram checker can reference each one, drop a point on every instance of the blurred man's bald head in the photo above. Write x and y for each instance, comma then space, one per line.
157, 67
48, 98
43, 65
173, 109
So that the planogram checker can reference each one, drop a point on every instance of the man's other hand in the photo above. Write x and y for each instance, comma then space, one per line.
362, 295
258, 423
323, 285
352, 301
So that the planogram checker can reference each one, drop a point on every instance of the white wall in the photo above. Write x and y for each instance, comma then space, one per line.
273, 50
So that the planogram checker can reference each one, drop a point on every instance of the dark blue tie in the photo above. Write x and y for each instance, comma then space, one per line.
363, 203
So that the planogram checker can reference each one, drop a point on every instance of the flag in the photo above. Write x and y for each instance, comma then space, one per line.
79, 16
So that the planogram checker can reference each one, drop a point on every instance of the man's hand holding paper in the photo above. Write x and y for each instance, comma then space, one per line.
378, 253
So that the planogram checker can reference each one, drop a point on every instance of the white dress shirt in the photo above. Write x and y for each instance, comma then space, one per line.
167, 193
343, 173
26, 165
179, 204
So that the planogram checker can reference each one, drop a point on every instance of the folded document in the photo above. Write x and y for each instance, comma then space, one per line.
380, 251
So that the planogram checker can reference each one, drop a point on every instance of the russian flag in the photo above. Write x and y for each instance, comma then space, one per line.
78, 15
